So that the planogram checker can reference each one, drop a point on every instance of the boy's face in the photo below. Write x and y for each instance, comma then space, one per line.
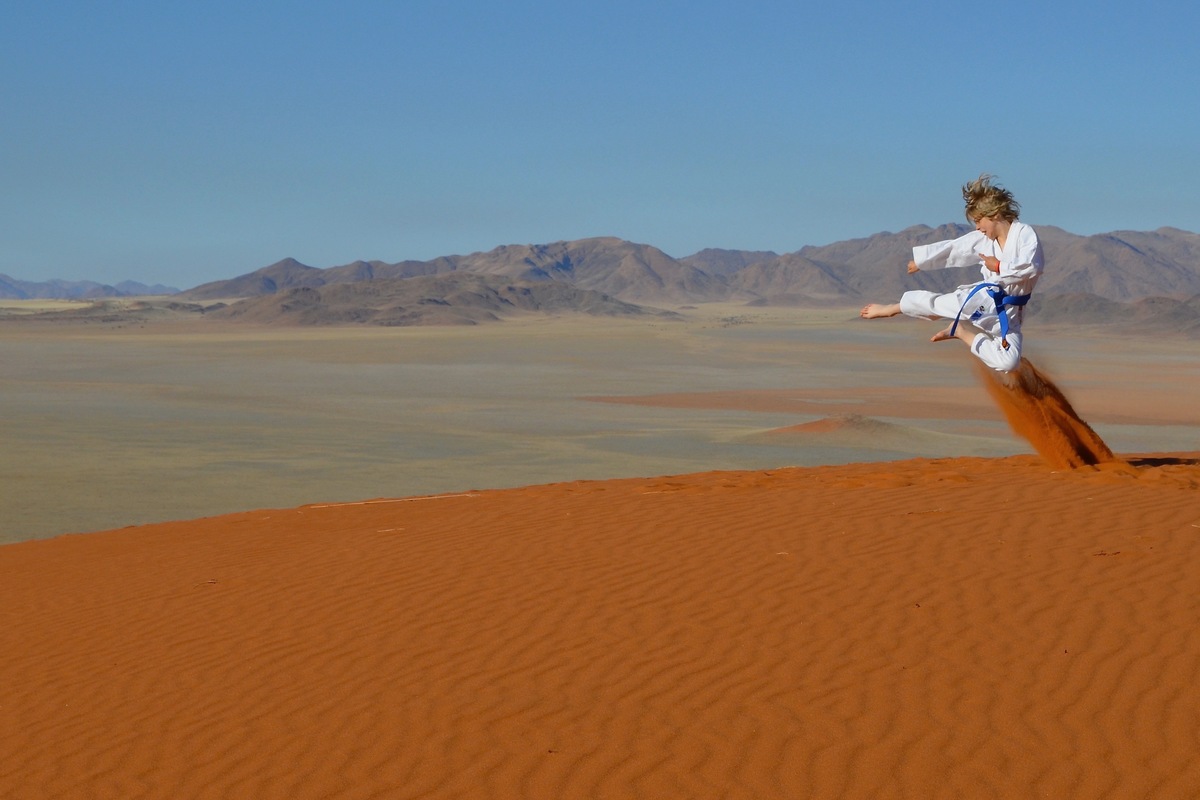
988, 226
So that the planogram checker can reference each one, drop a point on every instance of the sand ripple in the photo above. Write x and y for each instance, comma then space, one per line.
929, 628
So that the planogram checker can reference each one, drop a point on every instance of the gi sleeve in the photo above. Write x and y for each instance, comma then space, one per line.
951, 253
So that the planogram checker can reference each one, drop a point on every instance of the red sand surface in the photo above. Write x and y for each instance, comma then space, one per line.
922, 629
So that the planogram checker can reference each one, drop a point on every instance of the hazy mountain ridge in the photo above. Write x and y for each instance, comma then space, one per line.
1136, 278
1161, 315
716, 261
16, 289
625, 270
1123, 266
462, 298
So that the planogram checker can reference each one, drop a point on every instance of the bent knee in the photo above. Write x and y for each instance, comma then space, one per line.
993, 352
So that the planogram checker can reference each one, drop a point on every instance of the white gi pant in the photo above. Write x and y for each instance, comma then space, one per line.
980, 312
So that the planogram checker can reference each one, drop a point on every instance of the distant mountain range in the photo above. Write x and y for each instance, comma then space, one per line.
1141, 278
448, 299
1122, 267
14, 289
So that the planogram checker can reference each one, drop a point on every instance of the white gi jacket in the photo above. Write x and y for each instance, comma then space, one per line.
1020, 258
1020, 267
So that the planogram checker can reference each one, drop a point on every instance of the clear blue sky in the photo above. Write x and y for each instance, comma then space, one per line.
176, 142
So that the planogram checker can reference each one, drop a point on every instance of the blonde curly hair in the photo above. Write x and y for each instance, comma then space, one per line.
987, 199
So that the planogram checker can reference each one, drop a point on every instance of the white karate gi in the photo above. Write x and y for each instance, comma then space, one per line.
1020, 266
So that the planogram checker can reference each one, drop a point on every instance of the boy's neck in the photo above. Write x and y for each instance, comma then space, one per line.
1002, 233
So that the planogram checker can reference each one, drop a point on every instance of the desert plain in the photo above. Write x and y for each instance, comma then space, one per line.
106, 426
746, 553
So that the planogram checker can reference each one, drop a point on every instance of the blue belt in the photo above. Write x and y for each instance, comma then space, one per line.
996, 292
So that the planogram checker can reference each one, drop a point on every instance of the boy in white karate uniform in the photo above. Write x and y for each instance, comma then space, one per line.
985, 315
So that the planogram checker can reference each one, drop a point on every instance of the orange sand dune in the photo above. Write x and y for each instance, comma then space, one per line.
922, 629
838, 423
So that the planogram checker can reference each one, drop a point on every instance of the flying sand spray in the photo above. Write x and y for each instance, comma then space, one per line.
1038, 412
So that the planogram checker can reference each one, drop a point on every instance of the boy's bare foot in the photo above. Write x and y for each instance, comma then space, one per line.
878, 310
965, 333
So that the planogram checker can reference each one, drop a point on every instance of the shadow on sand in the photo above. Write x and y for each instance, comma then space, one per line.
1161, 461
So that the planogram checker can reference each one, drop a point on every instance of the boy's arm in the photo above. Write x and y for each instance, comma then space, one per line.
948, 254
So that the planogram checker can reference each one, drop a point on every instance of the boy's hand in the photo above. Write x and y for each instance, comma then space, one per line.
991, 262
912, 267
